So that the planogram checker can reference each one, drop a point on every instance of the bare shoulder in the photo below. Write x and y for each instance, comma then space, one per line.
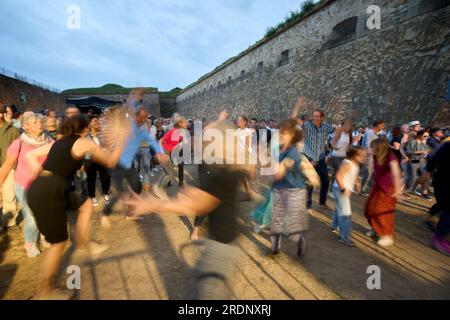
83, 146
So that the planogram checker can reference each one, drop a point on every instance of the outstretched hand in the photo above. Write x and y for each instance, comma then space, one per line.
162, 158
142, 205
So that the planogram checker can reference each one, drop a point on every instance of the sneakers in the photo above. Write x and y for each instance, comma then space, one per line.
104, 221
386, 241
302, 247
133, 218
57, 294
324, 207
93, 249
32, 250
107, 199
195, 234
43, 243
370, 233
95, 202
426, 197
276, 244
334, 230
441, 245
363, 194
331, 195
257, 228
348, 243
417, 193
10, 220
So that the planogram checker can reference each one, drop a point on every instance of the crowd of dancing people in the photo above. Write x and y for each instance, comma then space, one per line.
51, 165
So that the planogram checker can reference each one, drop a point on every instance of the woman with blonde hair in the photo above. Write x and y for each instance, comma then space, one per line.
380, 206
32, 138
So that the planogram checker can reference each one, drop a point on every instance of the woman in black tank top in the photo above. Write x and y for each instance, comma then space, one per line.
49, 197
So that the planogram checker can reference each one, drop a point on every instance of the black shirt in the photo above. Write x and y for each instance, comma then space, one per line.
222, 183
397, 153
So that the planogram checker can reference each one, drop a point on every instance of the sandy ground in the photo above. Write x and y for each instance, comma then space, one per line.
153, 259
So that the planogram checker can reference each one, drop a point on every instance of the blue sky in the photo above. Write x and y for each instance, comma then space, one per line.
165, 44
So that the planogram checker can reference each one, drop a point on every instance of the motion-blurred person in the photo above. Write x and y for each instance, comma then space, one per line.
125, 170
289, 215
8, 133
439, 164
94, 168
367, 169
169, 142
48, 196
245, 147
215, 198
343, 187
341, 144
380, 206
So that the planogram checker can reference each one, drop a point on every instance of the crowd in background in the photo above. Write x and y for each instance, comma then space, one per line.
384, 164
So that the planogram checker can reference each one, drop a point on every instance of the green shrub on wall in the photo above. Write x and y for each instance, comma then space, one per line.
306, 7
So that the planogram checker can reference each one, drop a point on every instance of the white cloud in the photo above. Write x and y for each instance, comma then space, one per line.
156, 43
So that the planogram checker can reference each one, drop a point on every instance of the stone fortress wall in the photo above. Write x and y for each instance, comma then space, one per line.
398, 73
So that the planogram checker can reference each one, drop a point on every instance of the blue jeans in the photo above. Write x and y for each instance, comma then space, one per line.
31, 231
342, 216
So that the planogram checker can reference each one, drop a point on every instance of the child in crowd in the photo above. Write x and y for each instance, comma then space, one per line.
343, 187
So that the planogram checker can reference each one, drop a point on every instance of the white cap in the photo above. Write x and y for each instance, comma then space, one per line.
414, 123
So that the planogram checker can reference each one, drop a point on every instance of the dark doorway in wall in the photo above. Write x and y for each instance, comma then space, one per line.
284, 59
260, 67
344, 30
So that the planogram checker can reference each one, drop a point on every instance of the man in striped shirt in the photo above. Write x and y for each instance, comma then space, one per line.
317, 133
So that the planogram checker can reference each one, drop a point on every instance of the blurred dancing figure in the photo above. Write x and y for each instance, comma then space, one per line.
93, 168
48, 195
380, 207
289, 215
343, 187
174, 137
125, 171
440, 162
216, 198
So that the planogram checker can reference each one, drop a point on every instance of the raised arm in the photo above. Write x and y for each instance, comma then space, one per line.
299, 106
104, 157
191, 201
336, 138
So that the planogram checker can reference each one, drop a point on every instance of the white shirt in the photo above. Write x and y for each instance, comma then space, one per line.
342, 146
349, 178
243, 135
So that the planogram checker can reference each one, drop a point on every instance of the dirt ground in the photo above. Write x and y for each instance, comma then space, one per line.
153, 259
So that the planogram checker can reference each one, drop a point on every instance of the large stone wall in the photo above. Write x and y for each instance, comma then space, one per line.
399, 73
150, 100
28, 97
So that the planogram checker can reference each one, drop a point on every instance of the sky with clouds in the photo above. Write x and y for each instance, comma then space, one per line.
164, 44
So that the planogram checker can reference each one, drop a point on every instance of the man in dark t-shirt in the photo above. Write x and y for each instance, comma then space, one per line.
215, 198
